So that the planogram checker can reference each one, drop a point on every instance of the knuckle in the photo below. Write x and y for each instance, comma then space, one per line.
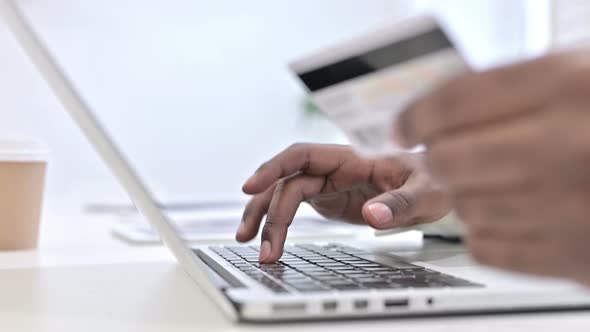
268, 225
297, 147
401, 201
279, 187
267, 229
272, 225
287, 185
300, 151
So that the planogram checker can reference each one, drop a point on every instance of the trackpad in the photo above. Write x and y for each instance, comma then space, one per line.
387, 260
442, 258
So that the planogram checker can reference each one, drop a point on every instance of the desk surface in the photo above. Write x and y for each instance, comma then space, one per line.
83, 279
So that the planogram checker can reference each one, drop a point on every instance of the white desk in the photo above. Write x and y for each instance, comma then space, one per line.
85, 280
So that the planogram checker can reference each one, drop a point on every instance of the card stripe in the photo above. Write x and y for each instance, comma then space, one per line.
386, 56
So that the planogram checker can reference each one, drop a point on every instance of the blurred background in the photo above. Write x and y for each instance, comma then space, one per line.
198, 94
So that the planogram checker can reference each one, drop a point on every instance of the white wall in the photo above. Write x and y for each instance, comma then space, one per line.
197, 92
491, 32
570, 23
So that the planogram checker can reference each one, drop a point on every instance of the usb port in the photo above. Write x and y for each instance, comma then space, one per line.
330, 306
288, 307
393, 303
361, 304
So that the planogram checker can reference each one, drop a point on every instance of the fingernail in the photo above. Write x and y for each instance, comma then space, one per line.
249, 182
264, 251
381, 213
241, 228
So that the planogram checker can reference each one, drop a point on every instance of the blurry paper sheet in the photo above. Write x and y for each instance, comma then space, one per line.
221, 224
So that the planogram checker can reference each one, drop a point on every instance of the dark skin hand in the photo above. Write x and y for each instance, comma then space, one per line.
339, 185
512, 146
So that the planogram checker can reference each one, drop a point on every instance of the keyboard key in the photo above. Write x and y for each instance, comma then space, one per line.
272, 267
340, 282
320, 273
299, 263
358, 275
369, 280
386, 260
335, 265
297, 279
396, 277
291, 260
346, 287
321, 261
381, 285
309, 285
379, 268
309, 266
352, 260
346, 268
313, 268
328, 277
312, 289
251, 260
368, 265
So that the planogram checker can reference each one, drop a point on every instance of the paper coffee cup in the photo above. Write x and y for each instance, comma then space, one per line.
23, 164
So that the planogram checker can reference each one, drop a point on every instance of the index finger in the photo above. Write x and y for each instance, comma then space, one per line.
312, 159
477, 98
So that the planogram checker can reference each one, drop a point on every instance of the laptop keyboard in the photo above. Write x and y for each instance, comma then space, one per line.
314, 268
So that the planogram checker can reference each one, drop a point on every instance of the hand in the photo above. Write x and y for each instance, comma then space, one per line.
512, 145
339, 185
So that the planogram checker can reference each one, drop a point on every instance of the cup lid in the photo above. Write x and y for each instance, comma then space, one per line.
22, 149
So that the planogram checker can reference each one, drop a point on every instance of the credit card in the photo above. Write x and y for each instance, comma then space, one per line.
362, 84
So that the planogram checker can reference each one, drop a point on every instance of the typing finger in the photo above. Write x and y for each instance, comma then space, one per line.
287, 196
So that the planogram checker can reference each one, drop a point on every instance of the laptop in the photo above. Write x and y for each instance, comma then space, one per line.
313, 280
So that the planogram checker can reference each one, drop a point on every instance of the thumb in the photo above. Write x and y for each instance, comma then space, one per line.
417, 201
